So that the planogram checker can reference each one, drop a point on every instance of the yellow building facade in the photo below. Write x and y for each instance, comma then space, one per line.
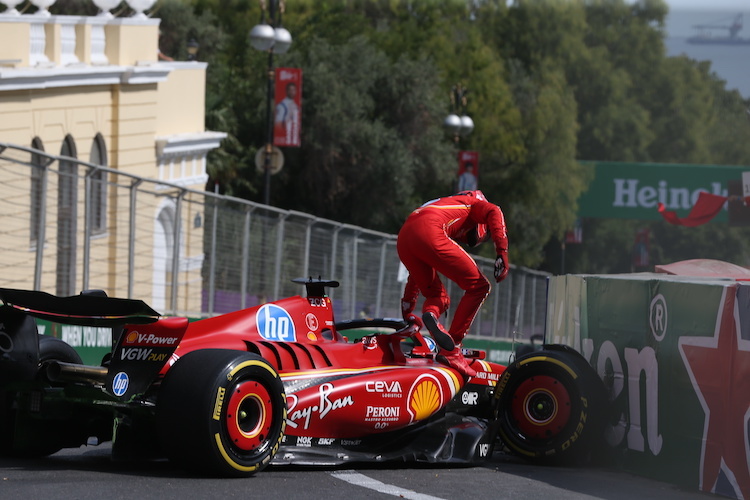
92, 89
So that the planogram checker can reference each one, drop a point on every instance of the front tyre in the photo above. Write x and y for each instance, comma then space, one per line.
550, 407
221, 412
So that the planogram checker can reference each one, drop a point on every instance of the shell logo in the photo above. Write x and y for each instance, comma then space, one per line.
132, 337
425, 397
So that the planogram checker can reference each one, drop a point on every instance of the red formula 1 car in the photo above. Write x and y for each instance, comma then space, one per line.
278, 383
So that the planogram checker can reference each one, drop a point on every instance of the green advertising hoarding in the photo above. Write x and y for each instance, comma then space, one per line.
633, 190
672, 353
92, 343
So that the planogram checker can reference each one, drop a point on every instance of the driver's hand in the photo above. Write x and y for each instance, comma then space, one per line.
501, 267
415, 320
407, 307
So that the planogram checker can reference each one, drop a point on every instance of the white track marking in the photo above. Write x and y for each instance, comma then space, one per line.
358, 479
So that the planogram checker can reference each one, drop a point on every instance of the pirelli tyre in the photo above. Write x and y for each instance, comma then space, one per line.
550, 407
221, 413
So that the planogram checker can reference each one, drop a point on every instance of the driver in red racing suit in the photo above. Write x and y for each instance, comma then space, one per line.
428, 244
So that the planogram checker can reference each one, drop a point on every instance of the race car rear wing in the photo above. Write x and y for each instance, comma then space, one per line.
19, 345
91, 308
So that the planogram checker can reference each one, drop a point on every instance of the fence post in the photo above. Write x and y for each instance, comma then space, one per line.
279, 256
41, 233
519, 306
381, 279
533, 305
306, 255
245, 255
212, 264
355, 265
334, 246
495, 305
87, 226
509, 304
176, 250
131, 238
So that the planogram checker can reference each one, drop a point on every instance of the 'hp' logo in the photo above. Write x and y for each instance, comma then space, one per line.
120, 384
274, 323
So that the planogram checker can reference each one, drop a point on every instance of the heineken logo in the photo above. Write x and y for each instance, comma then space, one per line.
632, 193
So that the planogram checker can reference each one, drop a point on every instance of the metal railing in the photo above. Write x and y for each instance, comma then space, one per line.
196, 253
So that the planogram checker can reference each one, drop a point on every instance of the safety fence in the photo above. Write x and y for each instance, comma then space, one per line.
190, 252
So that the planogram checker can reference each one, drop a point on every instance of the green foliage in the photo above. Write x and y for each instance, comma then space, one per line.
372, 134
550, 83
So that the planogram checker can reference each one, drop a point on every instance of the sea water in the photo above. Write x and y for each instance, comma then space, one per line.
730, 63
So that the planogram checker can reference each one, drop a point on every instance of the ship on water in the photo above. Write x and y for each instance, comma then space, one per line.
706, 32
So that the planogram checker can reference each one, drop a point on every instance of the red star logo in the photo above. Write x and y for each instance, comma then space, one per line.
719, 368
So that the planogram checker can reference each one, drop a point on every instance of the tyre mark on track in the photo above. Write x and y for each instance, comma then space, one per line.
358, 479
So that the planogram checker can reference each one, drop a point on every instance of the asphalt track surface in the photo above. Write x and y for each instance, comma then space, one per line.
89, 473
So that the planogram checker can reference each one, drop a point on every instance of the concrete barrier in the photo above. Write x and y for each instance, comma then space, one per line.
674, 353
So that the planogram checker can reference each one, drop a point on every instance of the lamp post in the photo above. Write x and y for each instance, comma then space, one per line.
192, 49
270, 36
458, 123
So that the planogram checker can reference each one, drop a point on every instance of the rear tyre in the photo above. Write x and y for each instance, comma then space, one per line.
221, 412
550, 407
52, 349
45, 437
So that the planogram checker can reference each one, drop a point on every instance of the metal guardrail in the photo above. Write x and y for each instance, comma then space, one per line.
196, 253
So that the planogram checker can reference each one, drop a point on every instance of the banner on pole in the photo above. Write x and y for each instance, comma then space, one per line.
287, 122
468, 171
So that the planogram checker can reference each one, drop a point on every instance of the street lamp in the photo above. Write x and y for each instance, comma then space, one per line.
270, 36
458, 123
192, 49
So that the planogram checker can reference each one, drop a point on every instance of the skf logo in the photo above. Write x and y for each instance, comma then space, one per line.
275, 323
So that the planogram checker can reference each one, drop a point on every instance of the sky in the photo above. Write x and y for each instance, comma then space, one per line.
738, 5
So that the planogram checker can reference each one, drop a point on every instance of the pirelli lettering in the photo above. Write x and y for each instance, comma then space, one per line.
219, 403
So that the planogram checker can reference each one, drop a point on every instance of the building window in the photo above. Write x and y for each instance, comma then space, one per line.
67, 222
98, 202
37, 189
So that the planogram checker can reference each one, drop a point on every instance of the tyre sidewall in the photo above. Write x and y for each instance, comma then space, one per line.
192, 412
54, 349
571, 443
256, 370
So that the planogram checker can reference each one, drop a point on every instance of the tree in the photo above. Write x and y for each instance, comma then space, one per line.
371, 134
550, 83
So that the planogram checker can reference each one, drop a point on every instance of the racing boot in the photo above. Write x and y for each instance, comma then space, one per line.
441, 337
456, 360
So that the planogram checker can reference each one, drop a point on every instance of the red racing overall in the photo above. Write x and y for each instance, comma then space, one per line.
428, 244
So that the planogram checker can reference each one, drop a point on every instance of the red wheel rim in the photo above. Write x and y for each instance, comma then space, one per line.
249, 415
541, 407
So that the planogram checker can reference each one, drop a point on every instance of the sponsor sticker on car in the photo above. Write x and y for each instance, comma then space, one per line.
275, 323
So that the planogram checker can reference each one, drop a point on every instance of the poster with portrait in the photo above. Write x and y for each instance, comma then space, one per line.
468, 171
287, 120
